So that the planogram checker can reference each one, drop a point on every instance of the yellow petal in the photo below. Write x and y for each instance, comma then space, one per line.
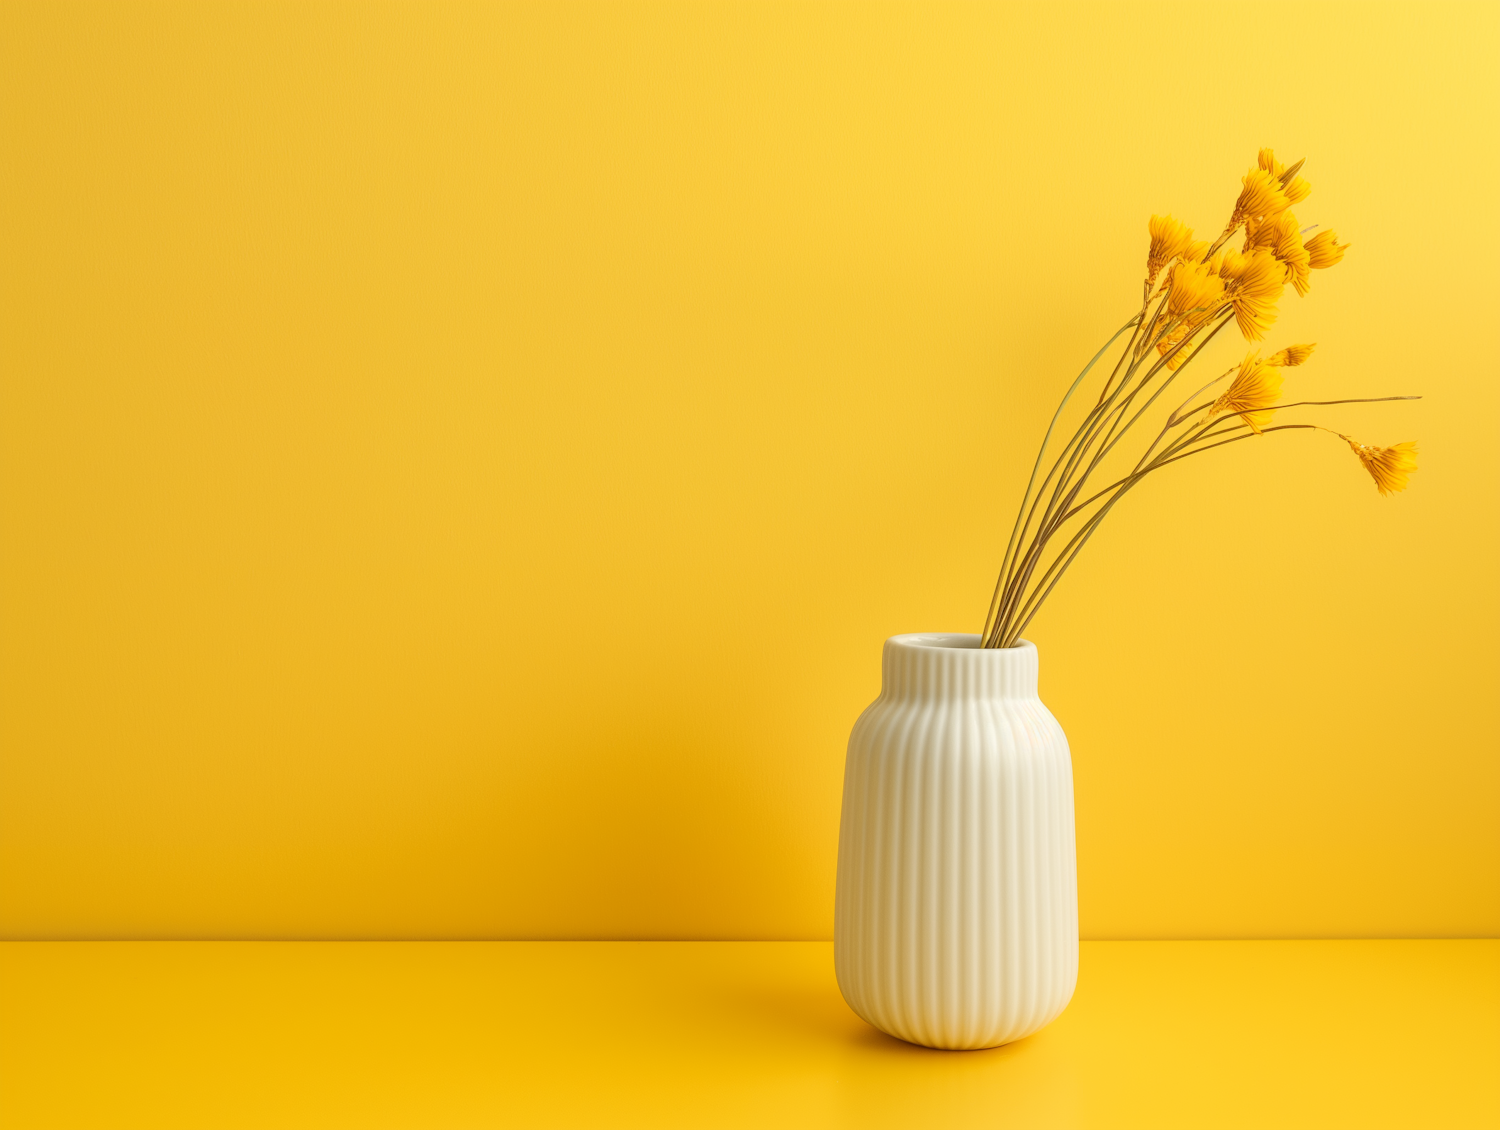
1390, 467
1324, 250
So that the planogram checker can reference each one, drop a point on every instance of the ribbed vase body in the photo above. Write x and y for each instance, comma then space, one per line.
956, 917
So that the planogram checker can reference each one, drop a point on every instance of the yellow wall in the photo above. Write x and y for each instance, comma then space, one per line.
460, 463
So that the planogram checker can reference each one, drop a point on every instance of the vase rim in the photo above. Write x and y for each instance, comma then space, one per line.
954, 641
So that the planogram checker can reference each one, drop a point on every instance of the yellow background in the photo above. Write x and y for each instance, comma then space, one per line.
460, 462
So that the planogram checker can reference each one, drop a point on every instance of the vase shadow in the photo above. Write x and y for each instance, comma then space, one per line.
792, 1012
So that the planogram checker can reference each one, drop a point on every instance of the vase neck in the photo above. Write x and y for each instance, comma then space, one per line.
931, 666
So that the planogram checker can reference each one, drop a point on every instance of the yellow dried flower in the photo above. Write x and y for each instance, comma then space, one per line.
1388, 466
1295, 187
1193, 253
1250, 394
1254, 283
1195, 286
1297, 191
1260, 196
1292, 355
1169, 239
1169, 342
1325, 250
1282, 237
1294, 258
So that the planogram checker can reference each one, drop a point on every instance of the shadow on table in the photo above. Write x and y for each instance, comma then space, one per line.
810, 1014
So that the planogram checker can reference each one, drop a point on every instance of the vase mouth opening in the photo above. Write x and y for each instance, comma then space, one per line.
955, 641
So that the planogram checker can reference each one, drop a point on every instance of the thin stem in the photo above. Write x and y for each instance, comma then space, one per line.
1156, 367
1235, 439
1173, 454
1086, 531
1177, 418
1112, 438
1206, 434
1311, 403
1021, 571
1066, 557
1140, 325
1059, 567
1222, 240
1015, 530
1111, 443
1007, 576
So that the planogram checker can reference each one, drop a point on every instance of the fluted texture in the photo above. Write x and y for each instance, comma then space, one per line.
956, 917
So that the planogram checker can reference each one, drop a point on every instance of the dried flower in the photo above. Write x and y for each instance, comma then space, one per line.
1324, 250
1261, 196
1193, 253
1191, 287
1250, 394
1295, 187
1253, 283
1280, 235
1195, 287
1292, 355
1169, 239
1294, 257
1196, 294
1388, 466
1169, 342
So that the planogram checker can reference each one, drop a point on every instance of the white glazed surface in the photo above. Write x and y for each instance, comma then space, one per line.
956, 916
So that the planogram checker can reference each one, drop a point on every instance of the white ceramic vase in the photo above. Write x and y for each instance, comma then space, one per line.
956, 917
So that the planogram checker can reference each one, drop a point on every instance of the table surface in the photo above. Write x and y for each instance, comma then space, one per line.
432, 1035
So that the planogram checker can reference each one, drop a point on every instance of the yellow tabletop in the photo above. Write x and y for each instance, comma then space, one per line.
431, 1035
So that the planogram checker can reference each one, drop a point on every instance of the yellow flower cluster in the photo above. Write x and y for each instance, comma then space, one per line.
1253, 277
1192, 291
1200, 283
